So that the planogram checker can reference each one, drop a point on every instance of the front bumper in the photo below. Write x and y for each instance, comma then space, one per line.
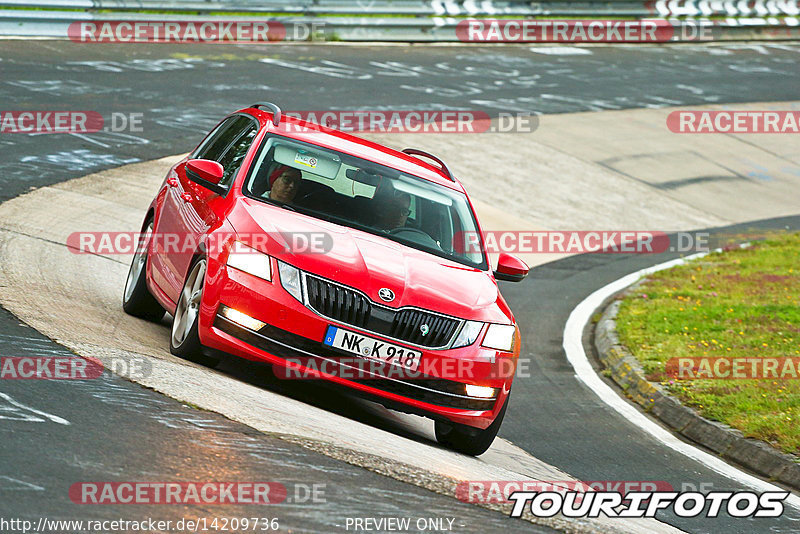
292, 341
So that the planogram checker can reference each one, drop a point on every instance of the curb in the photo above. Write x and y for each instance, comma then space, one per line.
725, 441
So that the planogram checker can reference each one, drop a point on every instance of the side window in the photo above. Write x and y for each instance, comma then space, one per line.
232, 159
228, 145
216, 143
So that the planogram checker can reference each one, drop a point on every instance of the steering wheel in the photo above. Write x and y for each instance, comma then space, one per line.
310, 196
408, 229
427, 239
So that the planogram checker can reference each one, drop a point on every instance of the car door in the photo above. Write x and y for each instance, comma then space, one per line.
190, 209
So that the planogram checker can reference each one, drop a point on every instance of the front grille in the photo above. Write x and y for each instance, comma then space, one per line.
337, 302
351, 307
407, 325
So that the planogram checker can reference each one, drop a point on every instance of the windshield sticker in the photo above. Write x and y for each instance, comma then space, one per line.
304, 159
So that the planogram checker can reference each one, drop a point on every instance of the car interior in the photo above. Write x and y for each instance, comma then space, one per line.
359, 196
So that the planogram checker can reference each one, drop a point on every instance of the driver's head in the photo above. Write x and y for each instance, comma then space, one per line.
284, 182
394, 213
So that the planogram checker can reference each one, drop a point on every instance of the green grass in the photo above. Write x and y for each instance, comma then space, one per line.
740, 303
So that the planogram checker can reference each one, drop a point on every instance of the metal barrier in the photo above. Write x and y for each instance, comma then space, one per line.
403, 20
442, 8
411, 8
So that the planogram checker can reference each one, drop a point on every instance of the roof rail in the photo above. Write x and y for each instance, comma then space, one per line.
417, 152
276, 111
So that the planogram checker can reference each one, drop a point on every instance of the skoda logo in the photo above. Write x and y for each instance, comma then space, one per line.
386, 294
424, 329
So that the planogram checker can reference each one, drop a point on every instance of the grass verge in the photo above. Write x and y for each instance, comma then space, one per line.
739, 304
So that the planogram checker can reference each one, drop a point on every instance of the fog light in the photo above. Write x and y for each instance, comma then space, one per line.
241, 319
482, 392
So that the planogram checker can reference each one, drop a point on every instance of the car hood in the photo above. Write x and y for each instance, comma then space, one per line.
371, 262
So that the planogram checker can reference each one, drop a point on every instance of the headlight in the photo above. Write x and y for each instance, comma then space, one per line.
290, 280
500, 337
250, 260
468, 335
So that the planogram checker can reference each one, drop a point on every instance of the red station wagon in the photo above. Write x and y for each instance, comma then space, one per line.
332, 257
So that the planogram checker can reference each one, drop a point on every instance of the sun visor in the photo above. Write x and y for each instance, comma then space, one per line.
313, 161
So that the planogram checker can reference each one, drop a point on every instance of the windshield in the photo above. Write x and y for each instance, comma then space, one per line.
361, 194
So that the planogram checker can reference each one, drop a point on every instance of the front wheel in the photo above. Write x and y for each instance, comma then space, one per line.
137, 300
184, 340
466, 439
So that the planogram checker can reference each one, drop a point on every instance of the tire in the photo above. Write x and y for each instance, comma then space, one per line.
184, 340
136, 299
467, 439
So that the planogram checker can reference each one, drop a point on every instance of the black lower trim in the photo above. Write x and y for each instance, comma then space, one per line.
288, 346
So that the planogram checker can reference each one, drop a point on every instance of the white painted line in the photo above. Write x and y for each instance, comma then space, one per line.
573, 346
561, 50
18, 485
53, 418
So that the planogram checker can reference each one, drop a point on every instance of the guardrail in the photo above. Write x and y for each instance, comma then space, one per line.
418, 8
404, 20
450, 8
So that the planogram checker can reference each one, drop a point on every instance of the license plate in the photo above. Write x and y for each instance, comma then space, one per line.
371, 348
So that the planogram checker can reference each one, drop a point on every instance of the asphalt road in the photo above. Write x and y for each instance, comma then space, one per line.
182, 91
558, 419
122, 432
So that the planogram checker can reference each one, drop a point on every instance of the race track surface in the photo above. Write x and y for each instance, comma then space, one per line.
556, 425
119, 430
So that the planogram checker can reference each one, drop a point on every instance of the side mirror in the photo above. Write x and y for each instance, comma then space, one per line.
510, 268
206, 173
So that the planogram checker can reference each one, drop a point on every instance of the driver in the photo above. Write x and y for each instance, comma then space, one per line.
284, 183
394, 212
